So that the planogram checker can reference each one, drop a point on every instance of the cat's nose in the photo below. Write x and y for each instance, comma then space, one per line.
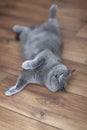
56, 76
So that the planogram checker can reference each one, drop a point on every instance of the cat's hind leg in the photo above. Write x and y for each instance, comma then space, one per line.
53, 10
21, 83
22, 33
19, 28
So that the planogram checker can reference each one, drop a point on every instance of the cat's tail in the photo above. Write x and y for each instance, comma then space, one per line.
53, 10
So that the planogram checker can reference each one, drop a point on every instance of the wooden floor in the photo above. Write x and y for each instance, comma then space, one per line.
36, 108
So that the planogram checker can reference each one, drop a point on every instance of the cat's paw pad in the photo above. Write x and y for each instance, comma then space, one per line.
11, 91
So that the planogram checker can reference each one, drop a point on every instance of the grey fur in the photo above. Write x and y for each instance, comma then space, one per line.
42, 53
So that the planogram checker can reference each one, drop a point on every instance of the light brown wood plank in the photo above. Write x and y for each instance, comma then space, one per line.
75, 48
11, 21
11, 60
10, 120
83, 32
79, 67
76, 56
56, 109
8, 34
74, 4
73, 24
74, 13
64, 3
3, 75
33, 2
23, 13
78, 84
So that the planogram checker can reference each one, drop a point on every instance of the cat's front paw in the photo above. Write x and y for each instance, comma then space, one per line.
25, 65
11, 91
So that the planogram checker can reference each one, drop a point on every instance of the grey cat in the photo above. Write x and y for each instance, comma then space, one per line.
42, 52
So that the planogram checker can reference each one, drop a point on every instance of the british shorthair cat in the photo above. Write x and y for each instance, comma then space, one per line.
42, 52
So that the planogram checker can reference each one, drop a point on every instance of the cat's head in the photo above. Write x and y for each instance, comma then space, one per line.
58, 77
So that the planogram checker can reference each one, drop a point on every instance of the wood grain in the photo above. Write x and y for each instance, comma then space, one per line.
37, 108
13, 121
56, 109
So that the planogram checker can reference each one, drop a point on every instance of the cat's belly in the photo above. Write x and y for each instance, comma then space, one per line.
40, 42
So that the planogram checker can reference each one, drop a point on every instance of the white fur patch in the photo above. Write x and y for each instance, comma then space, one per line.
11, 91
25, 65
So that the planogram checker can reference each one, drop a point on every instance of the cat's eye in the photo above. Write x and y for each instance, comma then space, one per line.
61, 73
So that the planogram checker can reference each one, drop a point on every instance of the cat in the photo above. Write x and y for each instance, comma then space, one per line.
42, 52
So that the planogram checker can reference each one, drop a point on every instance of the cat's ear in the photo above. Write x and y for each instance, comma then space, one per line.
69, 73
63, 78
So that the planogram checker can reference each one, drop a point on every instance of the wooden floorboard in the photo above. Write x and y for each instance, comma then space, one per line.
56, 109
10, 120
36, 108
